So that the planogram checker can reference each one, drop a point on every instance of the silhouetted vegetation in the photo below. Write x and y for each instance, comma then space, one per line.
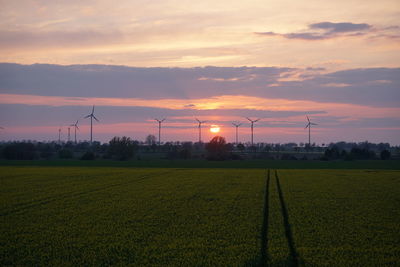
217, 149
124, 148
385, 154
20, 151
65, 153
88, 155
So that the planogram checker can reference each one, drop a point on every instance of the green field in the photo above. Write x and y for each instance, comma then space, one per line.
198, 217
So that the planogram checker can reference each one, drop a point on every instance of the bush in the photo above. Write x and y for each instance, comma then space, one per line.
20, 151
65, 154
46, 154
362, 153
89, 155
385, 154
288, 157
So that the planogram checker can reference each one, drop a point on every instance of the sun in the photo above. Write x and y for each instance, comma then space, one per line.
214, 129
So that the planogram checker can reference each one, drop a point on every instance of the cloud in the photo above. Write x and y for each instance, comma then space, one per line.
337, 85
340, 27
374, 86
328, 30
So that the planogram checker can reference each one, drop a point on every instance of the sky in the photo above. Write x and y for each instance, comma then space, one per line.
219, 61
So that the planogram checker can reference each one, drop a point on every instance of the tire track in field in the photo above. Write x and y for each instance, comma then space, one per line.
294, 257
264, 228
46, 200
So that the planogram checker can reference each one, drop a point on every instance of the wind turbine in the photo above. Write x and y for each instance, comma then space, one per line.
159, 130
309, 130
75, 125
237, 126
200, 123
91, 116
69, 134
252, 126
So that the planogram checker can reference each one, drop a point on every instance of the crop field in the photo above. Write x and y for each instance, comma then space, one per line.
198, 217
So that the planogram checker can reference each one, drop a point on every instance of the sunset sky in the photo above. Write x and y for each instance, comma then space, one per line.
221, 61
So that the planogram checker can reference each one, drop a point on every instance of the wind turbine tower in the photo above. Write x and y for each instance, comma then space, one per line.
59, 135
200, 123
69, 134
159, 130
237, 126
75, 125
309, 130
252, 127
91, 116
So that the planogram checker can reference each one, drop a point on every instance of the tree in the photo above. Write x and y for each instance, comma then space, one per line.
88, 155
241, 147
385, 154
151, 140
65, 154
20, 151
217, 149
122, 148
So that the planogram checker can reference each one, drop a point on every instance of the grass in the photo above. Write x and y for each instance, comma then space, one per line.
198, 217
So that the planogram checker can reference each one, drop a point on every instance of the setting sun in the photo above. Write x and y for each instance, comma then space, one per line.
214, 129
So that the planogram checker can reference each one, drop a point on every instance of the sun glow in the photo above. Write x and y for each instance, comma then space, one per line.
215, 129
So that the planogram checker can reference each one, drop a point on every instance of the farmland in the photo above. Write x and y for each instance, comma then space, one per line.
198, 217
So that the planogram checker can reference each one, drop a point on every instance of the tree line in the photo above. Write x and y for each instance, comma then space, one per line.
124, 148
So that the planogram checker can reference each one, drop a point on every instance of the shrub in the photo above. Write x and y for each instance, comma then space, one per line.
65, 154
385, 154
20, 151
89, 155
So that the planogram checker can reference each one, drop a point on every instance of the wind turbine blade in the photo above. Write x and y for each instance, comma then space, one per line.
257, 120
308, 118
76, 122
308, 125
87, 116
93, 109
249, 119
95, 118
77, 127
313, 123
198, 120
163, 120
